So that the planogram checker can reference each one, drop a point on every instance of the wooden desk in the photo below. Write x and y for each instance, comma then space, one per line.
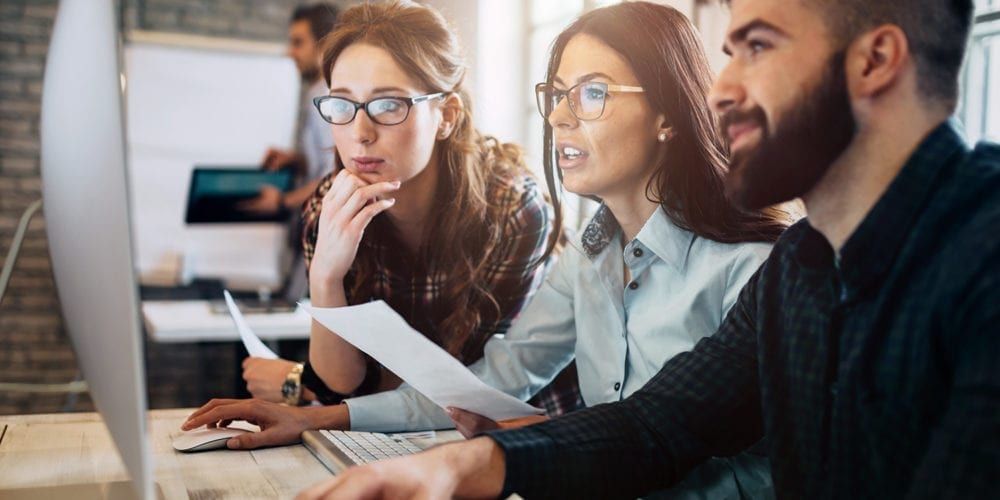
52, 456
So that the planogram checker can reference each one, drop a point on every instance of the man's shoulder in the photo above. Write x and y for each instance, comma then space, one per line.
790, 238
982, 165
964, 218
974, 205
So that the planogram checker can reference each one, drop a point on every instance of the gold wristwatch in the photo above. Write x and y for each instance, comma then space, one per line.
291, 390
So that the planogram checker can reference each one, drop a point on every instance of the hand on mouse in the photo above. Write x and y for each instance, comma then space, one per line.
279, 424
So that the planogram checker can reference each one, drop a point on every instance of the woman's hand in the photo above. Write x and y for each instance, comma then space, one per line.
265, 377
279, 424
472, 424
348, 207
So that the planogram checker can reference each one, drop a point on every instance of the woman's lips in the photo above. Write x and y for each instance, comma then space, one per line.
367, 164
572, 161
567, 163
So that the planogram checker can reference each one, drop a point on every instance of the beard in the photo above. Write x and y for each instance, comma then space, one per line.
788, 163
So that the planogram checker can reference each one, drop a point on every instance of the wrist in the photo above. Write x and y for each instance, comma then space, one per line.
291, 389
477, 467
308, 396
327, 293
329, 417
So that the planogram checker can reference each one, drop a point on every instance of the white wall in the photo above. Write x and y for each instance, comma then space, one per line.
712, 20
492, 37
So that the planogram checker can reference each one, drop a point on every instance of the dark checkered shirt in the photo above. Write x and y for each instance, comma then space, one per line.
877, 376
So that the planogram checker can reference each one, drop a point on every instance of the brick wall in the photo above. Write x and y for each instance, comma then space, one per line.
33, 344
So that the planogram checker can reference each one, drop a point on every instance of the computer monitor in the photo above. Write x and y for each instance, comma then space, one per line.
87, 222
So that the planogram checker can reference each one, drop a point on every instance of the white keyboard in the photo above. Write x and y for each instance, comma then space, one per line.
367, 447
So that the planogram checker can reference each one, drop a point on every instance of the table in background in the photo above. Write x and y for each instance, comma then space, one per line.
172, 321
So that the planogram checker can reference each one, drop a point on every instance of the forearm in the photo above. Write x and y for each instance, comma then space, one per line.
328, 417
702, 403
402, 409
478, 465
600, 452
339, 364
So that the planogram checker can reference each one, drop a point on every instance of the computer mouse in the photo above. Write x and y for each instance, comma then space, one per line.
205, 439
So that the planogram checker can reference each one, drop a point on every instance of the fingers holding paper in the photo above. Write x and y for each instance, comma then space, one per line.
264, 377
471, 424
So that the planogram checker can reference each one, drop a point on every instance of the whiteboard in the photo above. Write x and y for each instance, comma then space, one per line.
191, 102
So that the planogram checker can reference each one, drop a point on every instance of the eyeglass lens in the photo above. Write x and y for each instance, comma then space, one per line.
384, 111
586, 100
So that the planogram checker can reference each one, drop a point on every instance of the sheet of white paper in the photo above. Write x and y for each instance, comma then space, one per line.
381, 333
251, 341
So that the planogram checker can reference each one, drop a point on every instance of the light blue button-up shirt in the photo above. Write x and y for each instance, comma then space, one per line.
620, 333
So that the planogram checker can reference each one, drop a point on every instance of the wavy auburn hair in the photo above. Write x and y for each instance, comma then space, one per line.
663, 49
468, 225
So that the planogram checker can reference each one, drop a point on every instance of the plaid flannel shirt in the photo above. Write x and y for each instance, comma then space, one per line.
875, 376
403, 281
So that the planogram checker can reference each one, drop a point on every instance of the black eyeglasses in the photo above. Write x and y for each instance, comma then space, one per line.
383, 110
586, 99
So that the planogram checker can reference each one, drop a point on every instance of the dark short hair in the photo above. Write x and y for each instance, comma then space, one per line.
321, 18
937, 30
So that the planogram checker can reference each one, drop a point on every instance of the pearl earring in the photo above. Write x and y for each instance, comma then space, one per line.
662, 137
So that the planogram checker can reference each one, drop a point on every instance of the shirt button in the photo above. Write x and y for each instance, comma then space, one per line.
633, 285
637, 252
618, 385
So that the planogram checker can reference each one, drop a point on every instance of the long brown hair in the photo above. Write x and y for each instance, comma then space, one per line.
467, 223
663, 49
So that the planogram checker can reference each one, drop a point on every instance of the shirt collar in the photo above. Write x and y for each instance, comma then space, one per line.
870, 251
665, 239
659, 234
599, 233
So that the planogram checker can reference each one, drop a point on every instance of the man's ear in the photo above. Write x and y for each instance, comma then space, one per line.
451, 111
876, 61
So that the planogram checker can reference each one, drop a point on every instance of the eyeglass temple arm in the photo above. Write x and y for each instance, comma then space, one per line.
427, 97
625, 88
